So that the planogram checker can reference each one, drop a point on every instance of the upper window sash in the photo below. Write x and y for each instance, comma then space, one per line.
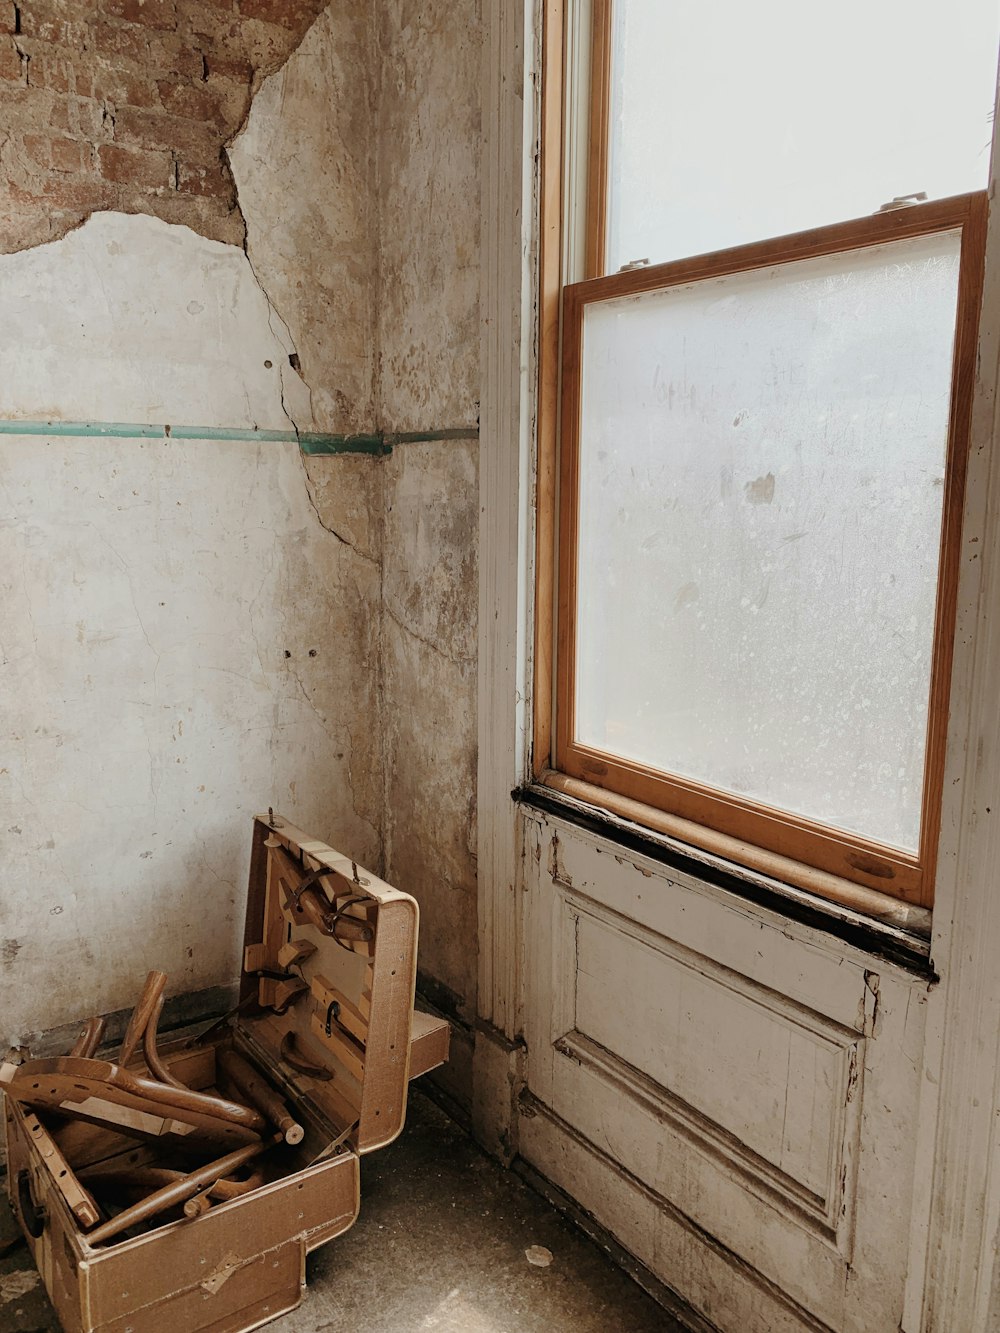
717, 126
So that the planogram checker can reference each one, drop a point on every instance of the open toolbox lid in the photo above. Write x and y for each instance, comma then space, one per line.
330, 958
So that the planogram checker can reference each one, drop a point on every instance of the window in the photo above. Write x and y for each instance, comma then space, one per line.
757, 369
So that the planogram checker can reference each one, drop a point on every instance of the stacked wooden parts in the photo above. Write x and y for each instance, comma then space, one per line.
181, 1187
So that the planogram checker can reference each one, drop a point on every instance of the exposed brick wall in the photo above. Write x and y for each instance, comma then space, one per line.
127, 104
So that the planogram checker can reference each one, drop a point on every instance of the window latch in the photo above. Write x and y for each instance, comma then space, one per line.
632, 264
904, 201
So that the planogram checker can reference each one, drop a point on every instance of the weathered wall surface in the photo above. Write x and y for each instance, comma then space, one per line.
193, 625
429, 703
202, 628
175, 619
133, 320
127, 104
305, 170
428, 198
428, 162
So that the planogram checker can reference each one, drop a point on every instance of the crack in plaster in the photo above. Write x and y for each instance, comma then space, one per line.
281, 335
260, 55
310, 490
337, 743
454, 658
345, 541
287, 341
291, 349
365, 819
135, 605
306, 697
28, 603
284, 337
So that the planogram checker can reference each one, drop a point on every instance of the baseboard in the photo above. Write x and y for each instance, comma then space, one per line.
675, 1305
179, 1011
450, 1086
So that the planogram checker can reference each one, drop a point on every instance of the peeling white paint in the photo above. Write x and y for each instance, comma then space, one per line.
132, 319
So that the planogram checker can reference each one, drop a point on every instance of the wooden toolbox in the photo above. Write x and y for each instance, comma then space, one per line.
325, 1022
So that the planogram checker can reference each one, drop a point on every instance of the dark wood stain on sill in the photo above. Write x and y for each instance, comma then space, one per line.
903, 948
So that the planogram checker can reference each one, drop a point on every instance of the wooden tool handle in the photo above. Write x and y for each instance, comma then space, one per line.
149, 1048
259, 1094
332, 919
351, 929
141, 1178
199, 1205
151, 993
186, 1099
90, 1038
232, 1189
314, 908
147, 1178
66, 1076
221, 1192
180, 1191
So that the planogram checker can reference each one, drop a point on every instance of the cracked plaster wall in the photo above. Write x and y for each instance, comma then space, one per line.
180, 635
357, 175
303, 167
428, 197
428, 184
376, 271
128, 104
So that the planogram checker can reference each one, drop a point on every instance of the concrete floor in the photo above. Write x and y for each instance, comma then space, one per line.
440, 1245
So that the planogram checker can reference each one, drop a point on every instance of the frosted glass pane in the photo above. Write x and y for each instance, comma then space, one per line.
761, 480
732, 122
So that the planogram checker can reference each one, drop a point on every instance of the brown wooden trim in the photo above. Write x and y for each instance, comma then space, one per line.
568, 518
598, 138
856, 234
870, 902
830, 850
550, 294
846, 855
970, 288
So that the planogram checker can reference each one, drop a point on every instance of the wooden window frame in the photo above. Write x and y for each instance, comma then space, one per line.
799, 851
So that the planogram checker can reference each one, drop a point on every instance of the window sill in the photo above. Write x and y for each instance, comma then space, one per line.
887, 927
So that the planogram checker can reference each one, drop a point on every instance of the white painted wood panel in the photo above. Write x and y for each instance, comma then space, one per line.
661, 1011
752, 942
748, 1085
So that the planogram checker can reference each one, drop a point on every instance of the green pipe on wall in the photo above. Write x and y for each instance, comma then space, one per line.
378, 445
